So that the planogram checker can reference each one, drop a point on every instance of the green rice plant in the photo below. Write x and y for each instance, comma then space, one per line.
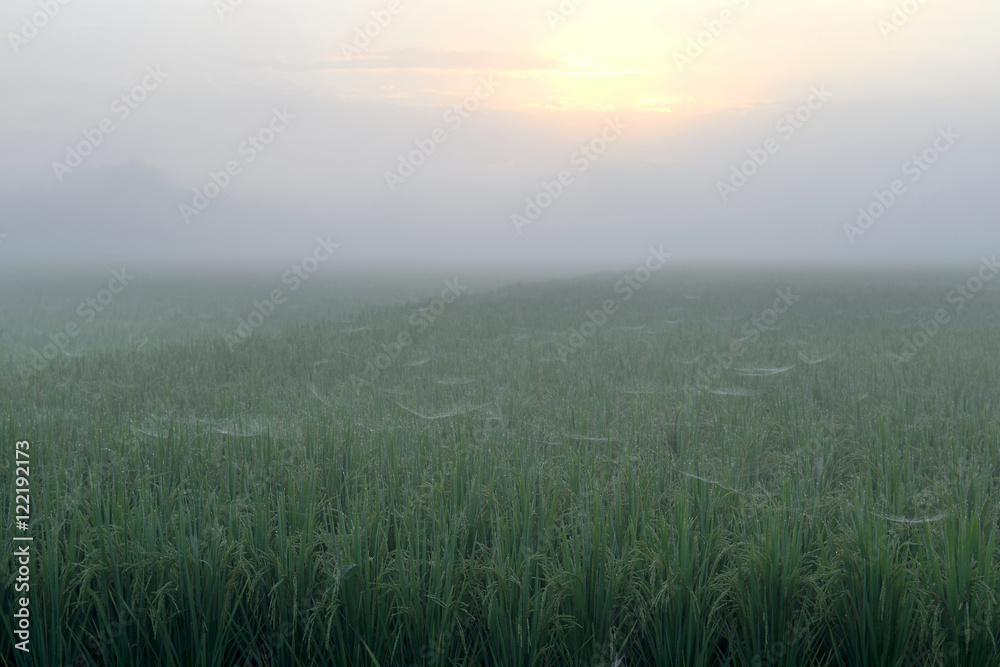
595, 575
772, 593
481, 502
873, 619
519, 609
963, 578
683, 621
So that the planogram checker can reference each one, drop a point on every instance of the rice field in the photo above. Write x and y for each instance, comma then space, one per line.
728, 469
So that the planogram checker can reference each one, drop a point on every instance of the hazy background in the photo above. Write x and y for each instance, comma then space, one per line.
558, 85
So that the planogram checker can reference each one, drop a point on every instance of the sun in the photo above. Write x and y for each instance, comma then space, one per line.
581, 83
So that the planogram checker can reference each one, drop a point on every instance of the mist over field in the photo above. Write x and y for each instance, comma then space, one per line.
513, 93
535, 333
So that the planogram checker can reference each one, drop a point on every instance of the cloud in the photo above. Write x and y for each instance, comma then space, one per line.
411, 59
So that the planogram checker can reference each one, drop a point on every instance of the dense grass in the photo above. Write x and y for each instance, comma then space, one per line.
483, 502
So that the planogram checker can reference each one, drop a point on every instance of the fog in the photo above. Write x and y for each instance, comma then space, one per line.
759, 150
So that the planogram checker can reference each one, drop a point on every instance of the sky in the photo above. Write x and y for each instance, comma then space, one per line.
744, 131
